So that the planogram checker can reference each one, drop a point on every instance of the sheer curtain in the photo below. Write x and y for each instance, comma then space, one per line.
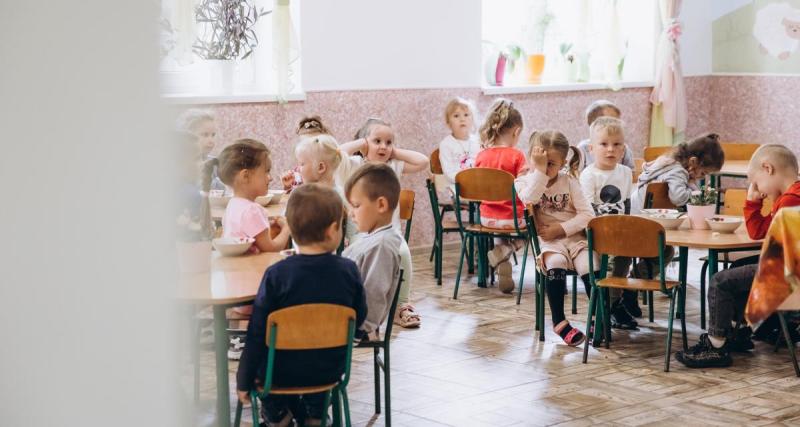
668, 120
285, 51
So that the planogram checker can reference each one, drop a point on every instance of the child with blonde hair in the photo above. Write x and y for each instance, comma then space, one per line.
203, 126
562, 214
307, 127
597, 109
458, 150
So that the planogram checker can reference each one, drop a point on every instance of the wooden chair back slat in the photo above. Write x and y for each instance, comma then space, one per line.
739, 150
652, 153
311, 326
436, 164
626, 235
406, 204
487, 184
657, 194
637, 169
734, 202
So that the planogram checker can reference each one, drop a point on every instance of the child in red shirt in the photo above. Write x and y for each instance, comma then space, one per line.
772, 173
499, 137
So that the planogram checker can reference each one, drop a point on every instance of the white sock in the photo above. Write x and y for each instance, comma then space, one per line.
716, 342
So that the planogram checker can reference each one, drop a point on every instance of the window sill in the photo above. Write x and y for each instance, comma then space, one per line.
558, 87
189, 99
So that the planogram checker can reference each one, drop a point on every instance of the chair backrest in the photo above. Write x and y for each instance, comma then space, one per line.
657, 196
637, 169
407, 209
652, 153
739, 150
626, 235
486, 184
436, 164
387, 334
311, 327
734, 202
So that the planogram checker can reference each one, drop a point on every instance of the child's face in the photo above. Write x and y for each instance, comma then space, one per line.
555, 162
765, 178
696, 170
368, 214
380, 144
460, 122
206, 132
607, 149
254, 182
309, 168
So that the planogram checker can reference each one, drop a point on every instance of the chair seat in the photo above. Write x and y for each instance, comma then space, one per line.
476, 228
303, 390
732, 256
635, 284
450, 224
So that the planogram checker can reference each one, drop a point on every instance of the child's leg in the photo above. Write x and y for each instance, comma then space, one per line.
406, 316
727, 293
620, 318
556, 265
314, 406
275, 409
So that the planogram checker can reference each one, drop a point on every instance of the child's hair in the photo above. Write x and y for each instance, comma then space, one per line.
371, 122
502, 117
459, 102
555, 140
323, 148
377, 180
311, 125
706, 148
781, 158
192, 117
596, 108
244, 153
311, 209
611, 125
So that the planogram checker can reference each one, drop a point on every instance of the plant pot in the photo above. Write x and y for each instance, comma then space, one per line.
220, 76
194, 257
570, 71
500, 71
698, 214
534, 68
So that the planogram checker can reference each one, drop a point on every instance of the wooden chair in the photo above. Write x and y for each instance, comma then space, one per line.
657, 196
652, 153
406, 204
633, 237
382, 364
637, 170
308, 327
487, 185
739, 150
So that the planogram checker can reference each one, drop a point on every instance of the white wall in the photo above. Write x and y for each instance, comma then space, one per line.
380, 44
695, 43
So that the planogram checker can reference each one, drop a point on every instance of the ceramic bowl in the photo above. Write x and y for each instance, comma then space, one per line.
724, 224
232, 246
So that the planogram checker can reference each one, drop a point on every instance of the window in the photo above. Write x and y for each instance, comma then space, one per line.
541, 42
185, 75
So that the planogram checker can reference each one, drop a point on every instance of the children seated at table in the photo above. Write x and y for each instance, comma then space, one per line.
606, 184
561, 218
772, 173
308, 127
374, 191
458, 150
597, 109
314, 276
500, 135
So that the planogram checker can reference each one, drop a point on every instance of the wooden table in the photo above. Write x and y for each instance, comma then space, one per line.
734, 168
277, 209
232, 281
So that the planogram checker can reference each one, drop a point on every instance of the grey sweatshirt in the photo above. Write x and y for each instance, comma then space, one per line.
377, 256
663, 169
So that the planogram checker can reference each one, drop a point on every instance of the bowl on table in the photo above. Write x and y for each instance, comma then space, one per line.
277, 196
232, 246
264, 200
670, 219
724, 224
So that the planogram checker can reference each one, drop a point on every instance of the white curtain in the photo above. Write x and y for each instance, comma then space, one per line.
284, 49
668, 120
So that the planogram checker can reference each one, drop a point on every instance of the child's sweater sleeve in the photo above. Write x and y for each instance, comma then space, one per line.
584, 211
378, 267
679, 189
757, 224
531, 186
588, 184
254, 350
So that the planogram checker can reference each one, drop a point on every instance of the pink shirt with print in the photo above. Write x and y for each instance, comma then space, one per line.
244, 218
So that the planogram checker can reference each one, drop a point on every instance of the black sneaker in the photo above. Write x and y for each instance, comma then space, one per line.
621, 319
739, 340
631, 303
705, 355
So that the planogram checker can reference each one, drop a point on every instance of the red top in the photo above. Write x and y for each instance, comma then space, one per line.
757, 224
510, 160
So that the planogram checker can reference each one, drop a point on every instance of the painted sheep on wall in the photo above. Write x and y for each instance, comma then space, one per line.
760, 37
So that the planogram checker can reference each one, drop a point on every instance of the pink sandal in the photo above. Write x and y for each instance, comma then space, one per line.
407, 317
573, 337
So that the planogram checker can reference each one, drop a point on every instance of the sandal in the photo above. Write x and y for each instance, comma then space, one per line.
573, 337
407, 317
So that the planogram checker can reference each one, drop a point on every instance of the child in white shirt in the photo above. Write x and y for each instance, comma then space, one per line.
457, 150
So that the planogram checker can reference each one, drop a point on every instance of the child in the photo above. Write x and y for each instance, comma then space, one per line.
458, 150
499, 135
202, 125
680, 169
308, 127
606, 184
315, 213
374, 191
601, 108
772, 173
562, 215
377, 146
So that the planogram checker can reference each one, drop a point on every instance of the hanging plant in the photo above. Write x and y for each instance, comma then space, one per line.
229, 29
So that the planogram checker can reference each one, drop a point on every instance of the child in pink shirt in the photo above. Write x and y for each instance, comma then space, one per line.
499, 136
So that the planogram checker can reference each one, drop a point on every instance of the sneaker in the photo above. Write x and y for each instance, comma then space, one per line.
705, 355
235, 348
739, 340
504, 280
621, 319
631, 303
497, 255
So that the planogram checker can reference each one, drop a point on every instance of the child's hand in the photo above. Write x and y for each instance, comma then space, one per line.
551, 232
278, 221
753, 194
244, 396
539, 159
288, 180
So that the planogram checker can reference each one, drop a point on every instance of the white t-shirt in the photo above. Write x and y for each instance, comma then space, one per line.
457, 155
607, 191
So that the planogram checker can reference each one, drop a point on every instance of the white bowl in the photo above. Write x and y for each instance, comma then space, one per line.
218, 201
277, 196
264, 200
673, 212
669, 223
232, 246
724, 224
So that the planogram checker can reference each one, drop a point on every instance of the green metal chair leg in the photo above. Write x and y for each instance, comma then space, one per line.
650, 314
682, 308
589, 335
324, 420
237, 420
574, 294
703, 272
460, 265
346, 407
522, 273
669, 328
387, 416
377, 372
789, 343
336, 407
254, 407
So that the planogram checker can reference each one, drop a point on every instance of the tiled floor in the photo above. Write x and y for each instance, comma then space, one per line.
475, 362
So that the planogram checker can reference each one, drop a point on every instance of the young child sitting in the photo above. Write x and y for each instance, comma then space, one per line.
202, 125
597, 109
374, 191
315, 275
500, 135
606, 184
772, 173
377, 146
308, 127
562, 215
458, 150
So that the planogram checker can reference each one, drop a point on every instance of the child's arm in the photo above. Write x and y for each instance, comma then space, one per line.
756, 223
267, 243
360, 298
350, 148
414, 160
531, 186
450, 164
254, 350
584, 212
679, 190
378, 269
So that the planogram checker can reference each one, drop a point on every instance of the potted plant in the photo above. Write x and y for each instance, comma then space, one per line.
702, 204
501, 62
568, 62
540, 19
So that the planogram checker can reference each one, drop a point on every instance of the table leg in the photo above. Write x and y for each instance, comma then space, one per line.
482, 264
221, 350
683, 265
713, 267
